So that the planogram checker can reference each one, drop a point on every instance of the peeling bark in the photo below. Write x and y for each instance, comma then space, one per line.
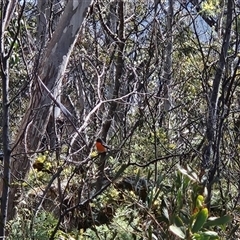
51, 72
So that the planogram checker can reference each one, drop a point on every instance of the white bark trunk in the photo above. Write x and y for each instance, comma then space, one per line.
51, 72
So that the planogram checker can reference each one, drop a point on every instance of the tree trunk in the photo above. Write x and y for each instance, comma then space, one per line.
7, 10
6, 147
51, 71
211, 153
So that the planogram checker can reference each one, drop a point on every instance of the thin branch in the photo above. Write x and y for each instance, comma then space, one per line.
156, 160
17, 33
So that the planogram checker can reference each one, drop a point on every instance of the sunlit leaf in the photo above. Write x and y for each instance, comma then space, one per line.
177, 231
200, 220
217, 221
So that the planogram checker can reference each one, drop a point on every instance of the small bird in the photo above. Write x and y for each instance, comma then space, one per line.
101, 146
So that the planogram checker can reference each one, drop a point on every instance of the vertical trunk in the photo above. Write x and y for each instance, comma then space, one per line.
51, 72
213, 105
42, 24
7, 10
117, 83
166, 78
167, 67
6, 146
211, 151
119, 70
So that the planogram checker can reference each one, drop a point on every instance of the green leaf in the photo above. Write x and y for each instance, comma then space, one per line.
178, 221
199, 201
153, 197
177, 231
205, 235
180, 199
165, 213
201, 218
186, 173
150, 232
150, 201
183, 214
210, 234
218, 221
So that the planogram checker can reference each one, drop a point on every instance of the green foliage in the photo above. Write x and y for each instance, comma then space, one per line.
195, 223
141, 129
124, 226
210, 7
174, 206
40, 228
178, 209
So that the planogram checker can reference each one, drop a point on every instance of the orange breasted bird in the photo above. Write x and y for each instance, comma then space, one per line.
101, 146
